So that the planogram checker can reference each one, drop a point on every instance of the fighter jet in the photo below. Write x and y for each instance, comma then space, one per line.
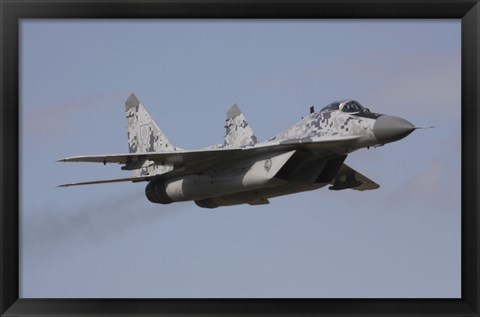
307, 156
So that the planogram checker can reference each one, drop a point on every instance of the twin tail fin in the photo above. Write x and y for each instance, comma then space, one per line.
143, 133
144, 136
239, 133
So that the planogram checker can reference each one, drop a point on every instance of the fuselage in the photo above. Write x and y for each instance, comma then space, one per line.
309, 165
308, 155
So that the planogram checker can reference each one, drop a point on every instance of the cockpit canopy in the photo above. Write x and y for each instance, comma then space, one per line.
345, 106
331, 107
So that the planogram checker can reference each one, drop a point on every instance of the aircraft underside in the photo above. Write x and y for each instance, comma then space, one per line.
258, 196
261, 179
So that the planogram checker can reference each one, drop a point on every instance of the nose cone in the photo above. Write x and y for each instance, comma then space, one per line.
389, 129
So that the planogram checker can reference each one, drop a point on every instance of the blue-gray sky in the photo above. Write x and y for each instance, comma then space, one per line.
402, 240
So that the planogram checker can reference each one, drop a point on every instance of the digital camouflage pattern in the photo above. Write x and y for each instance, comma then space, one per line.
144, 136
328, 123
307, 156
239, 132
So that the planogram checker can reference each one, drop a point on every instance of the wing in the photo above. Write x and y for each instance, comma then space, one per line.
182, 158
347, 177
188, 162
178, 158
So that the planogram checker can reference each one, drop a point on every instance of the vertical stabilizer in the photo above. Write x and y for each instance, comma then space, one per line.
143, 133
239, 132
144, 136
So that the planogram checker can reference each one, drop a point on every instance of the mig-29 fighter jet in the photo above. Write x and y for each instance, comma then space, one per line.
306, 156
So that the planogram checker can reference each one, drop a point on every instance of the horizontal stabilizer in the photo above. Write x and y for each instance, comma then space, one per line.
115, 180
347, 177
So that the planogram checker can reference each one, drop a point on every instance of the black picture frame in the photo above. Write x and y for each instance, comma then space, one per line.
11, 11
